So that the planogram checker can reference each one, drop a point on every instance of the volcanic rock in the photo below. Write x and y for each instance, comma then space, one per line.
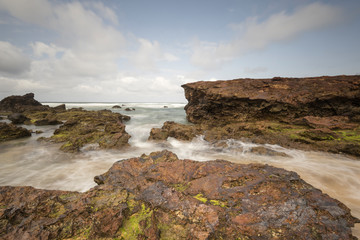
144, 198
104, 128
19, 104
11, 131
17, 118
280, 111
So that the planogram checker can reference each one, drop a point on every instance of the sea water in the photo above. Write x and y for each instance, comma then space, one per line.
39, 164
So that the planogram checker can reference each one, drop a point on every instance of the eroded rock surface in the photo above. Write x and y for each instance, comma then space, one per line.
19, 104
103, 128
144, 198
319, 113
276, 98
11, 131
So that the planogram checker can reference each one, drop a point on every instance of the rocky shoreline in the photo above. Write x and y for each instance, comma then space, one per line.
144, 198
159, 196
319, 114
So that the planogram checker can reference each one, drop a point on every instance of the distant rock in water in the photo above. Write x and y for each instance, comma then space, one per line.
10, 132
129, 109
144, 198
220, 102
20, 103
116, 106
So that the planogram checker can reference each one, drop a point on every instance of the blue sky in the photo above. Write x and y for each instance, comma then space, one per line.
144, 50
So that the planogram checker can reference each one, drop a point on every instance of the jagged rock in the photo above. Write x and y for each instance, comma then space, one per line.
10, 132
17, 118
104, 128
279, 98
59, 108
19, 104
175, 130
144, 198
280, 111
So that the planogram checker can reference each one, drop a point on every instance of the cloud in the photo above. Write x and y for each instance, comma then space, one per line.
254, 35
148, 54
12, 60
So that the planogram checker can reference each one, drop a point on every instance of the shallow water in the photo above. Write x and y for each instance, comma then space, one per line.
42, 165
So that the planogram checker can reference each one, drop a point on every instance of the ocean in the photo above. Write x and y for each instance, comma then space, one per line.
41, 165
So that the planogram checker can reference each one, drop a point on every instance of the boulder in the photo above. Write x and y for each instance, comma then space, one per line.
19, 104
81, 127
59, 108
17, 118
144, 198
175, 130
116, 106
11, 131
220, 102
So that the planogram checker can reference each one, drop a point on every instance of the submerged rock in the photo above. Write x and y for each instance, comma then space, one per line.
17, 118
10, 132
144, 198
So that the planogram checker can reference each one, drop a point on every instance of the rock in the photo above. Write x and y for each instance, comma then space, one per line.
333, 122
104, 128
129, 109
270, 111
59, 108
17, 118
116, 106
144, 198
268, 152
166, 107
19, 104
10, 132
220, 102
175, 130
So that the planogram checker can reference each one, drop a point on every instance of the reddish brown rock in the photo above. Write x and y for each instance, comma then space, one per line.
10, 132
333, 122
144, 198
278, 98
175, 130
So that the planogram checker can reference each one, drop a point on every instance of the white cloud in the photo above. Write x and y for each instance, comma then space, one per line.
254, 35
148, 54
12, 60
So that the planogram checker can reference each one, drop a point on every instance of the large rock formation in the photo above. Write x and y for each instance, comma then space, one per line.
278, 98
10, 132
320, 113
144, 198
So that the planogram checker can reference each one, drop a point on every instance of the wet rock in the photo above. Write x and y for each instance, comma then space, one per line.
129, 109
144, 198
81, 127
17, 118
268, 152
175, 130
270, 111
10, 132
116, 106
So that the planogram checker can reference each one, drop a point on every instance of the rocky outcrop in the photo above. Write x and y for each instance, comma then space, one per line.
278, 98
103, 128
10, 132
319, 113
175, 130
144, 198
17, 118
19, 104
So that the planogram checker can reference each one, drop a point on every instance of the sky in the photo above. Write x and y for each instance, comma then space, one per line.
143, 51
